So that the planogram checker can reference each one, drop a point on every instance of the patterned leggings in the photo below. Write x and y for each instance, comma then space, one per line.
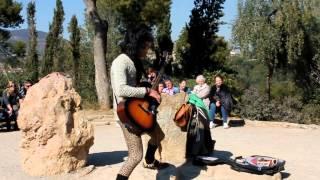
135, 148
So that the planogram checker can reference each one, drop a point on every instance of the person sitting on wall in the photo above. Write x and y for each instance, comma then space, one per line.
170, 89
23, 90
10, 104
220, 100
202, 89
183, 87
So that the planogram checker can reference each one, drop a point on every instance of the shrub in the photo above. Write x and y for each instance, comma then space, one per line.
254, 105
311, 113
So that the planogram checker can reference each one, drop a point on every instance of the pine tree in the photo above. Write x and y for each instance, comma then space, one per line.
133, 13
164, 34
75, 47
202, 29
164, 41
9, 17
32, 65
53, 42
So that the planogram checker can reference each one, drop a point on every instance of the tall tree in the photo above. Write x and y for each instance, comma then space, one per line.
52, 61
32, 65
75, 47
281, 35
18, 48
9, 17
164, 41
164, 34
202, 29
108, 12
100, 41
136, 12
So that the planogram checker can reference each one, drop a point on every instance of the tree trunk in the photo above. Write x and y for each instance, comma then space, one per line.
99, 46
269, 79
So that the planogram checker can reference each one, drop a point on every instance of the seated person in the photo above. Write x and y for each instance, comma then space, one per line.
202, 90
10, 104
183, 87
152, 75
220, 99
170, 89
23, 90
4, 114
160, 87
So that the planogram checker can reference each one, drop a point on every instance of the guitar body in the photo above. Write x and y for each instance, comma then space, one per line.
138, 113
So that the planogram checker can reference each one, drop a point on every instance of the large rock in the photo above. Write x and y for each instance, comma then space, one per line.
55, 135
173, 146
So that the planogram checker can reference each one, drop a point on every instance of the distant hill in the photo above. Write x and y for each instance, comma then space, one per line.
23, 35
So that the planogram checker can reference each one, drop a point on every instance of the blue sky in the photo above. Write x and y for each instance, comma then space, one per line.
180, 12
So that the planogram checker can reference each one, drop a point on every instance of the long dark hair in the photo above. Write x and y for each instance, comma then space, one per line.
134, 41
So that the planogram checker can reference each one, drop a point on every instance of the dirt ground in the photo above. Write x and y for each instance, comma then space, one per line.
298, 145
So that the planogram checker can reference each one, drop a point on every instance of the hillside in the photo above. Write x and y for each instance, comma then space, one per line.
22, 35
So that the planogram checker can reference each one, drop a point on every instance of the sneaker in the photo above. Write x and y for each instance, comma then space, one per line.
155, 165
225, 125
212, 125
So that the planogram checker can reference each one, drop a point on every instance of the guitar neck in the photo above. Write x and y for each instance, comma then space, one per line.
161, 72
157, 81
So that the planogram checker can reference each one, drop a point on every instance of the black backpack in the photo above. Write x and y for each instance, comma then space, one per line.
257, 164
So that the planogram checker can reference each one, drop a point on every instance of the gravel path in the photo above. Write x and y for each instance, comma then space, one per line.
298, 146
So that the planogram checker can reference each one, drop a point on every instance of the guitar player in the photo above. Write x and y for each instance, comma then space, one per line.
126, 72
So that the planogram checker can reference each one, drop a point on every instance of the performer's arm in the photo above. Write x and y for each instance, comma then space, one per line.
120, 86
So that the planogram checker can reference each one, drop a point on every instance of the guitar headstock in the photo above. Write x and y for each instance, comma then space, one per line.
166, 57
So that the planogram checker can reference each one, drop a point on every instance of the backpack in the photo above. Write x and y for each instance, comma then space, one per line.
257, 164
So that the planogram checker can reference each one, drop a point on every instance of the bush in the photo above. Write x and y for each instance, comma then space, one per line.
254, 105
311, 113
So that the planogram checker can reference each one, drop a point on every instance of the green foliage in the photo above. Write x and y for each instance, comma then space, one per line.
256, 106
52, 57
249, 73
164, 34
75, 47
311, 113
181, 52
107, 11
32, 64
18, 48
12, 62
283, 35
9, 17
86, 84
202, 29
137, 12
287, 103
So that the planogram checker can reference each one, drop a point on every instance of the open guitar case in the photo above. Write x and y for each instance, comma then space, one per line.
255, 164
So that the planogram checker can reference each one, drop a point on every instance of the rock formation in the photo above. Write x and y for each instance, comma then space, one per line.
173, 146
55, 135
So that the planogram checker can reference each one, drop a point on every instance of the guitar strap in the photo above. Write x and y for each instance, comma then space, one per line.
115, 98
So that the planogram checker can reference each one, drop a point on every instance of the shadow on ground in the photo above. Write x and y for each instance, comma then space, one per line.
106, 158
285, 175
187, 170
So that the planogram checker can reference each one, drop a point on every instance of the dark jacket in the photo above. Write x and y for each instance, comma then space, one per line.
223, 95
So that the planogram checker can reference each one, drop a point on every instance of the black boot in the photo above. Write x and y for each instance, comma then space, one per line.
121, 177
151, 150
150, 161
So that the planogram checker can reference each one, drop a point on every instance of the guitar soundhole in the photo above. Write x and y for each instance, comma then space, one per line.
139, 111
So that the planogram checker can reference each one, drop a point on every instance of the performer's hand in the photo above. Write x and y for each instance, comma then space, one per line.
218, 104
154, 94
10, 113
